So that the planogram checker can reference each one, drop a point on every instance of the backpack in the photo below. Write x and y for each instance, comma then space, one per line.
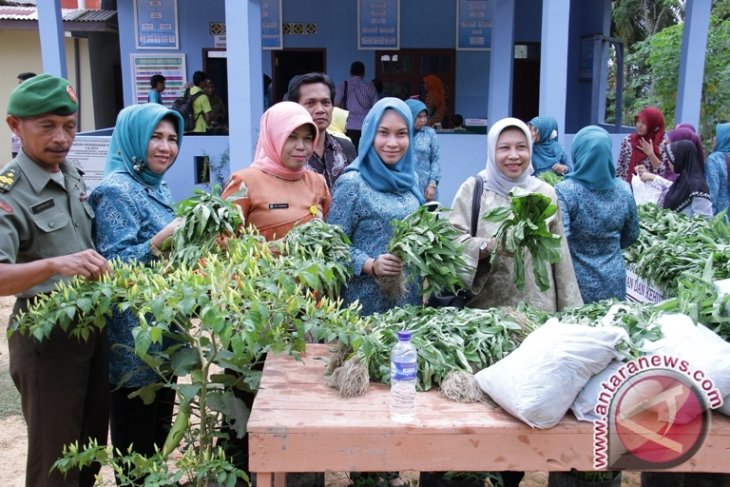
184, 106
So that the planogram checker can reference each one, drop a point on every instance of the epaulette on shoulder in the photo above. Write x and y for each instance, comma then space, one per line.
8, 178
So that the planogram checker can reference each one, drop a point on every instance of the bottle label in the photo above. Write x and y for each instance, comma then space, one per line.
404, 370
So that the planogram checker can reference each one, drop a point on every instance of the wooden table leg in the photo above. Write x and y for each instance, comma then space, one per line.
279, 479
264, 479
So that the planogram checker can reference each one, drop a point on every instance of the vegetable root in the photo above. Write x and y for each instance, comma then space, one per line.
393, 287
351, 379
461, 386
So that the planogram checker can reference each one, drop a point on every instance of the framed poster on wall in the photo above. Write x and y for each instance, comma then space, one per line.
155, 24
378, 24
474, 25
271, 30
171, 66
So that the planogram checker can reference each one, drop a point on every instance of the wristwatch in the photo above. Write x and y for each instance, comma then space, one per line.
483, 247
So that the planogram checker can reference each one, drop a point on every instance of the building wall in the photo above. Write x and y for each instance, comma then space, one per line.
586, 19
424, 24
21, 52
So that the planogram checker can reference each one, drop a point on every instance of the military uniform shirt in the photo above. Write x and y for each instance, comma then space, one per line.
39, 218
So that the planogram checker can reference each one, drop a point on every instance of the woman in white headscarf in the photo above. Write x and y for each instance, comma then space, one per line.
509, 165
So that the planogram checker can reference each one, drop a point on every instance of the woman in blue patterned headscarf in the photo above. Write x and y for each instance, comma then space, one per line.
134, 216
599, 217
716, 169
426, 149
380, 186
547, 153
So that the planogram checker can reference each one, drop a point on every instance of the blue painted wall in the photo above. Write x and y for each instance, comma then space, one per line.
424, 24
586, 19
336, 20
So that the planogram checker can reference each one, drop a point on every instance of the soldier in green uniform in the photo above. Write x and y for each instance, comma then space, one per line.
45, 236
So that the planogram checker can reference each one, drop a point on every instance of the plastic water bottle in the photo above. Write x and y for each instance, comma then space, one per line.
403, 371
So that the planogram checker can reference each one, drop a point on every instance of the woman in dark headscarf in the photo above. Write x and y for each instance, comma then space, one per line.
599, 217
684, 132
380, 186
689, 194
547, 153
645, 147
134, 216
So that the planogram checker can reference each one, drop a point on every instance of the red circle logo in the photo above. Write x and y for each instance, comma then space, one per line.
660, 418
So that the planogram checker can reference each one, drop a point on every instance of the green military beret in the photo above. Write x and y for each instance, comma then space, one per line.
41, 95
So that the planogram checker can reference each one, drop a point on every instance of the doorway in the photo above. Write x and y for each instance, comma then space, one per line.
288, 63
526, 81
402, 74
215, 65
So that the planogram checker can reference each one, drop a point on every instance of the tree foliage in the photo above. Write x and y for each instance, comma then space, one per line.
652, 62
636, 20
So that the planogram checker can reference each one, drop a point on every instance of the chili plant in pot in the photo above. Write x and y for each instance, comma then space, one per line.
218, 315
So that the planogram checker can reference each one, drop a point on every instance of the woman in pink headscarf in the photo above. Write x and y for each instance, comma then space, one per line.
277, 192
646, 146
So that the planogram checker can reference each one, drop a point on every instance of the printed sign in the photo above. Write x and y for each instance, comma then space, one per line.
171, 66
378, 24
156, 24
639, 290
474, 25
88, 153
271, 34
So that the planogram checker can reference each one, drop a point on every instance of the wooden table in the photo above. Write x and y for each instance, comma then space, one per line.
298, 424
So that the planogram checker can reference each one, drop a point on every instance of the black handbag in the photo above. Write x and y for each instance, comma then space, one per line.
459, 298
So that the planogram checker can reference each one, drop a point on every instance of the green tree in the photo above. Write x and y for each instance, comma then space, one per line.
653, 39
635, 20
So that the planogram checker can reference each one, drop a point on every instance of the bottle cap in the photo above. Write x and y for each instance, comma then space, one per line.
404, 335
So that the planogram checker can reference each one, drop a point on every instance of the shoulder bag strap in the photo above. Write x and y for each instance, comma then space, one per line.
476, 203
344, 98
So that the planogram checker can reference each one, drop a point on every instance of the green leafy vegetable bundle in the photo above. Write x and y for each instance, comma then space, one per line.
523, 226
317, 240
427, 246
447, 340
549, 177
697, 297
206, 219
672, 244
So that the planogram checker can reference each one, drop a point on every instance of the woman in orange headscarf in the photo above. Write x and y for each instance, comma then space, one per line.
277, 192
646, 146
435, 98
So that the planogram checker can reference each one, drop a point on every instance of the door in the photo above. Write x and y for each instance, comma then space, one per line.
288, 63
216, 67
526, 82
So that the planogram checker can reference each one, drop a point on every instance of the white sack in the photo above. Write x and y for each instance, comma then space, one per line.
698, 345
539, 381
584, 404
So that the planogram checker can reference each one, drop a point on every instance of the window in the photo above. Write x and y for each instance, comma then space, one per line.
402, 73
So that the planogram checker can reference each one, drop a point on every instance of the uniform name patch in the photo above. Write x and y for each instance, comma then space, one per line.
278, 206
5, 207
42, 206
